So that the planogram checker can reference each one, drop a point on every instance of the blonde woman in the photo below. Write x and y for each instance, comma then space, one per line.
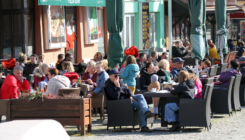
163, 72
41, 74
22, 60
104, 64
90, 75
67, 67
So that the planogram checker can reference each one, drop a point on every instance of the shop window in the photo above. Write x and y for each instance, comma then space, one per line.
17, 26
153, 30
128, 33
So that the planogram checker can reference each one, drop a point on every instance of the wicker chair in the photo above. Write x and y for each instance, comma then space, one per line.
221, 98
121, 113
209, 81
235, 102
196, 112
223, 67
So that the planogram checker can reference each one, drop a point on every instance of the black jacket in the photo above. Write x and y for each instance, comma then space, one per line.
117, 93
161, 75
185, 89
29, 68
145, 79
177, 52
242, 70
59, 67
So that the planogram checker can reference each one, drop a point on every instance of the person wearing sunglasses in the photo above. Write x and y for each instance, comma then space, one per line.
117, 90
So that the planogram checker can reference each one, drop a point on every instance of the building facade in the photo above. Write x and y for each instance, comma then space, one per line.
30, 28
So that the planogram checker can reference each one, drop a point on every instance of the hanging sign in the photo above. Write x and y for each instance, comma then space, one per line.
145, 25
95, 3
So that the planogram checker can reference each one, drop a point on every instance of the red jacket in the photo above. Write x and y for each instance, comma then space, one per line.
86, 77
37, 80
11, 87
72, 76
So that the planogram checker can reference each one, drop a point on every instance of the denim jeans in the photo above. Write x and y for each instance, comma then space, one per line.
141, 106
170, 114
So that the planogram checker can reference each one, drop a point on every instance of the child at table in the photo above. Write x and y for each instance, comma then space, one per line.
155, 84
185, 89
198, 86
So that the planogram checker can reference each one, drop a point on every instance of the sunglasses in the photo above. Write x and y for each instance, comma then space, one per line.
116, 76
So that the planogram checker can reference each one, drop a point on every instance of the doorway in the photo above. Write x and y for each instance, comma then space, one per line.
71, 34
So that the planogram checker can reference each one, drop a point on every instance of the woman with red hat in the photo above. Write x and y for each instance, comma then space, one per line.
14, 84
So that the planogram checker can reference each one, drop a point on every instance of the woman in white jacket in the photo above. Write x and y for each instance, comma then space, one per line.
56, 82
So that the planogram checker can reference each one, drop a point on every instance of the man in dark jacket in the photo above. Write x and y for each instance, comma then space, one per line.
178, 50
116, 90
29, 68
241, 61
68, 57
142, 60
179, 65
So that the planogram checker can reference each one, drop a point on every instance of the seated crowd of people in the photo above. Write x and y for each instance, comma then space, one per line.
152, 71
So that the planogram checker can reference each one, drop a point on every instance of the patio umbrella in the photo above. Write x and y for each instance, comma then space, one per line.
197, 9
221, 33
115, 16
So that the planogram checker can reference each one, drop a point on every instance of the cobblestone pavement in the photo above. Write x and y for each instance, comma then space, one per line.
223, 127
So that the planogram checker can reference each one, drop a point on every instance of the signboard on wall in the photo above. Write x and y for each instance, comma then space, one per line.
145, 25
91, 29
95, 3
56, 27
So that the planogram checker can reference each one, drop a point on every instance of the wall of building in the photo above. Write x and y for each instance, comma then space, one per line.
84, 52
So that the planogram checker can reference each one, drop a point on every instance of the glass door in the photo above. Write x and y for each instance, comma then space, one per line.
71, 32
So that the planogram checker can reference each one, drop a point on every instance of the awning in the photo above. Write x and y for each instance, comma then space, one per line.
92, 3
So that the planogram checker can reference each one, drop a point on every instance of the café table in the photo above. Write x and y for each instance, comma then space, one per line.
163, 94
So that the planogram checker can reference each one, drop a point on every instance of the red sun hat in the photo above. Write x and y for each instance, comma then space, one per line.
133, 50
9, 64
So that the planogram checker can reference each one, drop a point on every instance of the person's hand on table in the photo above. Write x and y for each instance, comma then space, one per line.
89, 95
90, 81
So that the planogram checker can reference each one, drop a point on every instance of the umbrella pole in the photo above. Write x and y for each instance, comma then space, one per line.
221, 57
197, 72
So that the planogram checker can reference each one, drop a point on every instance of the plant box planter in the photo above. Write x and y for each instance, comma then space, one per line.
65, 111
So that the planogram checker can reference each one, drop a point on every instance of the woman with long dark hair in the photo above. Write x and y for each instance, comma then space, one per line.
232, 70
